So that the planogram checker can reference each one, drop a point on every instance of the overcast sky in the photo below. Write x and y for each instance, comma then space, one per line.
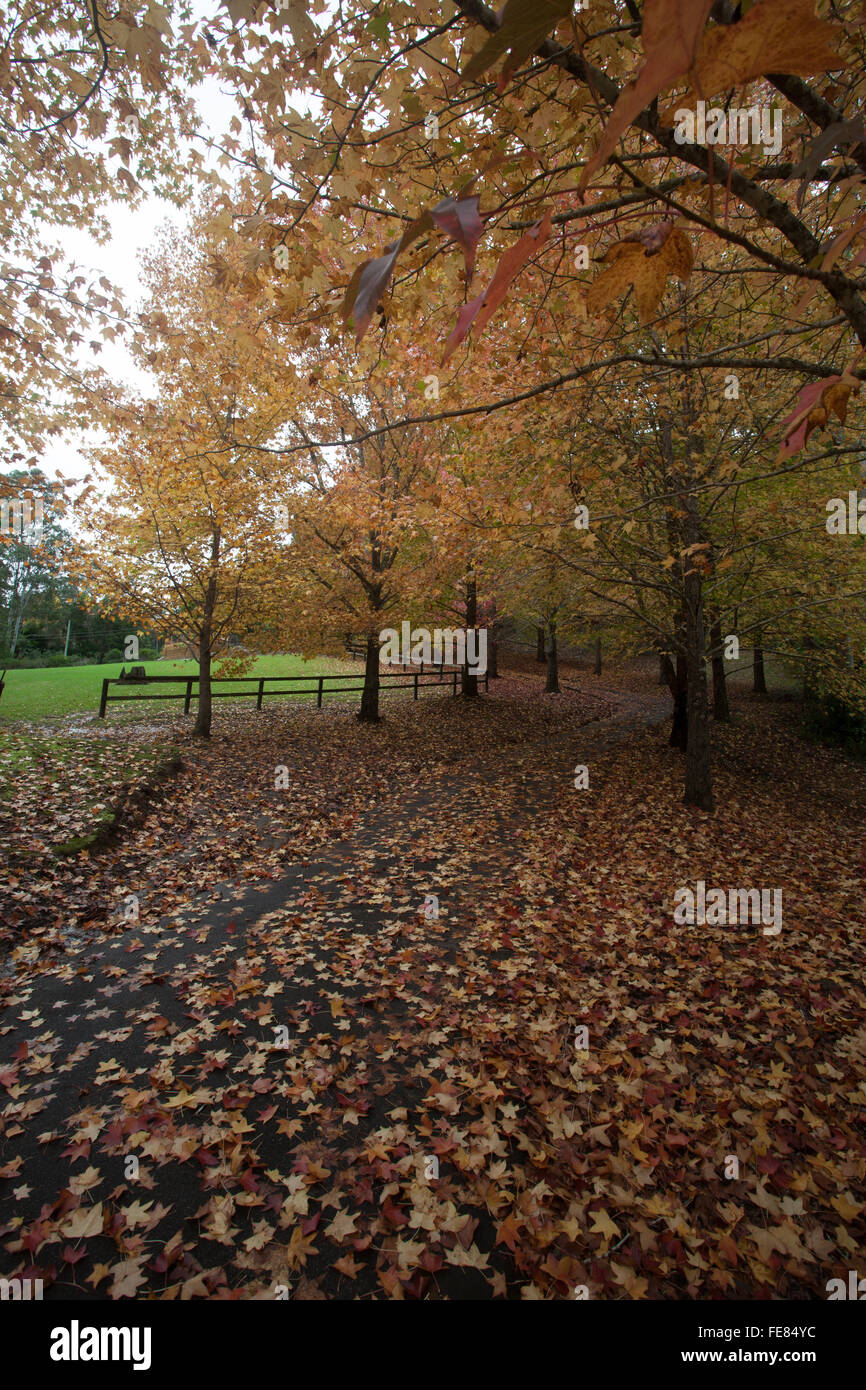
118, 260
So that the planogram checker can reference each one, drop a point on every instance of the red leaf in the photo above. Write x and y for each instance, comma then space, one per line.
768, 1164
463, 325
795, 438
505, 274
459, 218
71, 1256
394, 1214
652, 237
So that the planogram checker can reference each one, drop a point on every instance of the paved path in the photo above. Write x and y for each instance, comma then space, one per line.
160, 1045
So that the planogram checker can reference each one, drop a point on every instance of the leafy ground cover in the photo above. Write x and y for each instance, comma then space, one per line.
425, 1125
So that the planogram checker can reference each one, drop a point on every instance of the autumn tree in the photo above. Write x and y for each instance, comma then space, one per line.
96, 109
185, 528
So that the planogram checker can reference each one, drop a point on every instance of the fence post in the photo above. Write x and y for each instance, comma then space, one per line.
416, 686
188, 696
102, 702
261, 693
319, 696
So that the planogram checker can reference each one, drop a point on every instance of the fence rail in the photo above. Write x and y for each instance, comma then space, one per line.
435, 677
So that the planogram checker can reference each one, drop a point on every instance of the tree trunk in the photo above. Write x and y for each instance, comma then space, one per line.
698, 788
552, 686
675, 678
759, 680
370, 695
203, 717
16, 634
721, 708
598, 656
663, 676
470, 679
539, 645
492, 656
205, 645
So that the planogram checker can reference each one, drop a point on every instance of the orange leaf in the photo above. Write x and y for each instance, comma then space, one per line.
670, 34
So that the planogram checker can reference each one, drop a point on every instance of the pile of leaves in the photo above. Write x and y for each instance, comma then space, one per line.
58, 786
226, 821
333, 1093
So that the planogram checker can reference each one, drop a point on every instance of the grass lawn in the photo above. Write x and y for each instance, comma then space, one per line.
782, 677
60, 690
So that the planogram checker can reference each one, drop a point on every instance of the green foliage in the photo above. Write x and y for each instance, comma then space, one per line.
827, 719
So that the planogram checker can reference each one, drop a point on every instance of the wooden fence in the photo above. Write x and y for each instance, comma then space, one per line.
437, 676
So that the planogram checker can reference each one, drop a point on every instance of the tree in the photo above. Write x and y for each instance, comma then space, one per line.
89, 97
189, 538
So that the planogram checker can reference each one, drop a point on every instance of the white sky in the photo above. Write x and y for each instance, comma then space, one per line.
118, 259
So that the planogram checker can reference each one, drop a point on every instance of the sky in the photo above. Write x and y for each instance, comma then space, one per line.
132, 231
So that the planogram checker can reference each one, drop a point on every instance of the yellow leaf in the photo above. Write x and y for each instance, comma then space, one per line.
84, 1221
604, 1226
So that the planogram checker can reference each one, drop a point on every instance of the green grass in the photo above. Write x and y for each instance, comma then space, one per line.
54, 691
782, 677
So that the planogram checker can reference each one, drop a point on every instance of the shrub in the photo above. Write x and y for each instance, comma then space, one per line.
829, 720
34, 663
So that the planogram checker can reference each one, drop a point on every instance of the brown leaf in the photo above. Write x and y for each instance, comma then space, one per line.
773, 37
648, 271
525, 24
670, 34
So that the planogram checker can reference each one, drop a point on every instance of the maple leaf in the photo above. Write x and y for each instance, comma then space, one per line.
523, 26
83, 1182
343, 1225
670, 31
772, 37
628, 263
137, 1213
299, 1249
240, 10
84, 1221
603, 1225
508, 1231
98, 1273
